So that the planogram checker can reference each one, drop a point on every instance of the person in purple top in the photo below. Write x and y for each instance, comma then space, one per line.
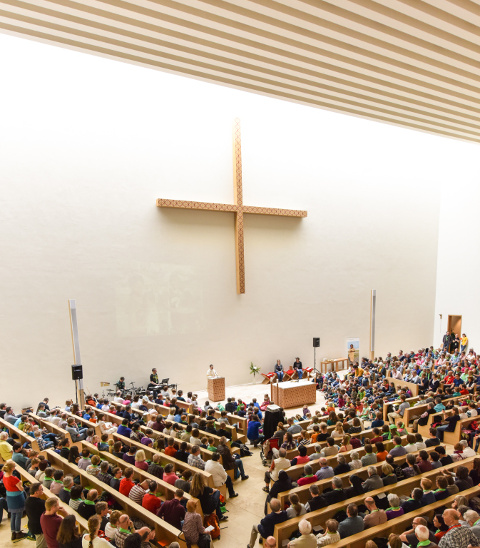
398, 450
395, 509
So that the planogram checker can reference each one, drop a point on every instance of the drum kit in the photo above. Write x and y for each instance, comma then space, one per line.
127, 393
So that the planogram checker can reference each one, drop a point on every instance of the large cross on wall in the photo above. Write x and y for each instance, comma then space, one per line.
237, 208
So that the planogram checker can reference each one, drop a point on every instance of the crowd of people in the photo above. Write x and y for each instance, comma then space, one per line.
353, 407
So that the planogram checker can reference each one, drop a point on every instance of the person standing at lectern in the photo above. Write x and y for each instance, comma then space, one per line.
298, 367
279, 370
211, 373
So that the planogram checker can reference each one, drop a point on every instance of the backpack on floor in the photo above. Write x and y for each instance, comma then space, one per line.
212, 520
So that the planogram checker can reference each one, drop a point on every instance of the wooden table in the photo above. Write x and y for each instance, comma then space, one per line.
334, 365
294, 393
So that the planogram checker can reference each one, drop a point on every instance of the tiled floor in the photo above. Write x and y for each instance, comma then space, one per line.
243, 511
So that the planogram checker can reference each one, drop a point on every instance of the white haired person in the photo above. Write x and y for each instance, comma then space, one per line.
307, 538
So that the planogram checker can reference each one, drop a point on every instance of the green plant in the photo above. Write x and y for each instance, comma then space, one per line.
254, 369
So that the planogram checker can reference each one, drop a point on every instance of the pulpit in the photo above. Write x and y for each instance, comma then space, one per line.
216, 388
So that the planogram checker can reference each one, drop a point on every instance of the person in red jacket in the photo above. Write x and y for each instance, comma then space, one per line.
151, 500
126, 483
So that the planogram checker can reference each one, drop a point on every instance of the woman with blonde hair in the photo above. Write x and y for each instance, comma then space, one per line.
140, 460
296, 508
92, 540
15, 499
338, 432
346, 445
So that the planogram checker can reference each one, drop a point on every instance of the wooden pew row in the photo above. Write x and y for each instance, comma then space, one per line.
47, 494
179, 465
319, 517
21, 436
304, 495
425, 430
85, 423
454, 437
241, 422
168, 490
165, 410
414, 410
414, 388
116, 419
292, 453
403, 523
386, 405
296, 471
52, 428
163, 530
206, 453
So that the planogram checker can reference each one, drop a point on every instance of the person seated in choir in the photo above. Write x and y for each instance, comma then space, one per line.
279, 370
298, 367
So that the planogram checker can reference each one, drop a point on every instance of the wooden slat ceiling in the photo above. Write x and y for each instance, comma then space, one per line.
413, 63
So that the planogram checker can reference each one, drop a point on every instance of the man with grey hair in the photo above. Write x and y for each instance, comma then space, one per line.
309, 476
467, 451
374, 481
64, 494
473, 520
423, 535
307, 538
318, 452
324, 471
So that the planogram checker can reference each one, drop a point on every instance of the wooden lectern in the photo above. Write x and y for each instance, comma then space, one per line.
216, 389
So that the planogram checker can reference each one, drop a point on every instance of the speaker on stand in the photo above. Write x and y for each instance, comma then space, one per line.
316, 344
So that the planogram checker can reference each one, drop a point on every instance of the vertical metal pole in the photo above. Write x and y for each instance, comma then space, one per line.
72, 306
373, 304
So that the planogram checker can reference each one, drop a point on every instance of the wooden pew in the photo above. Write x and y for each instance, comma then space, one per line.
401, 384
47, 494
85, 423
53, 428
22, 437
319, 517
303, 491
164, 531
138, 474
401, 524
454, 437
179, 465
295, 472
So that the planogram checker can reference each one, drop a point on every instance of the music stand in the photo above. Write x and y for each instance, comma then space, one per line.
164, 381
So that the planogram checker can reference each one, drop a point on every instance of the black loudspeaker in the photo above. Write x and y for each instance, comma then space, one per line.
273, 415
77, 372
316, 342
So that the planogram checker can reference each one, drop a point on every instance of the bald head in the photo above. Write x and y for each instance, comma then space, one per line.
451, 517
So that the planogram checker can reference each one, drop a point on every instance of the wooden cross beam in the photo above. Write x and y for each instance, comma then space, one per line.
237, 207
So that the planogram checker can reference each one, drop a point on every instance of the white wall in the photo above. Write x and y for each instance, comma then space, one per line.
458, 290
88, 144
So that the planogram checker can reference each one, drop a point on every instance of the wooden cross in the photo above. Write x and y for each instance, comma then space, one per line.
237, 207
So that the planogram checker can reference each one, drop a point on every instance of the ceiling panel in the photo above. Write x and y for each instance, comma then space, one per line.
413, 63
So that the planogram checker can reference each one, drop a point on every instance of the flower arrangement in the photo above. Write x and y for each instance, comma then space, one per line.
254, 369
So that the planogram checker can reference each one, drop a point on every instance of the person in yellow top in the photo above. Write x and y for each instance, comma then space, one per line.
358, 371
464, 343
351, 354
6, 450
